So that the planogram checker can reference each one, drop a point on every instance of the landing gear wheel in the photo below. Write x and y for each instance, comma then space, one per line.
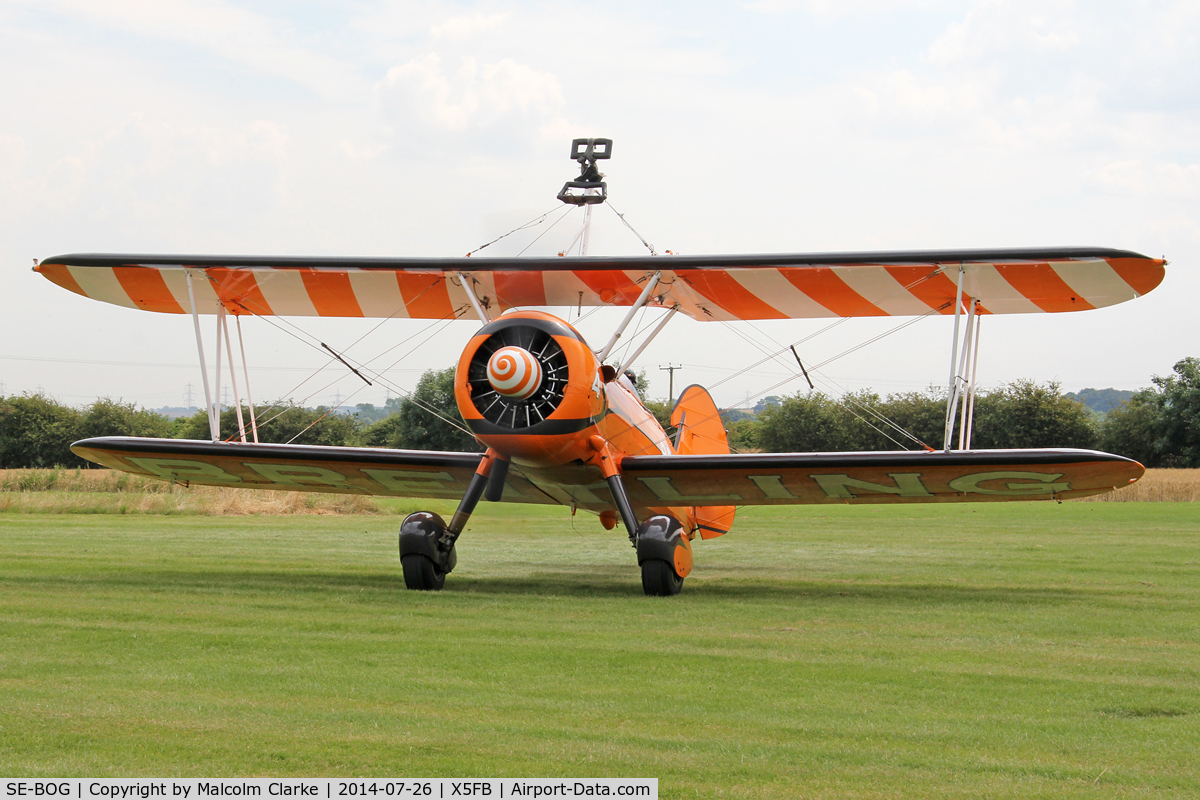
659, 578
421, 574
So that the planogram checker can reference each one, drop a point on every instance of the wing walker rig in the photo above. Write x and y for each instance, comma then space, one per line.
562, 424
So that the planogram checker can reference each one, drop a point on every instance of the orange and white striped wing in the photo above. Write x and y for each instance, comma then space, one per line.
704, 287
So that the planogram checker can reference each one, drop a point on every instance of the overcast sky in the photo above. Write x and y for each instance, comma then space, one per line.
427, 128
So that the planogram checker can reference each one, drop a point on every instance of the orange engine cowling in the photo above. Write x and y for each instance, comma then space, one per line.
528, 386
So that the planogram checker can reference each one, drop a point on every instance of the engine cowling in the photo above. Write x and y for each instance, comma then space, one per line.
528, 386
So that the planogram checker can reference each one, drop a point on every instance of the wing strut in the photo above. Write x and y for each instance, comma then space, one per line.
237, 397
246, 372
952, 384
587, 230
968, 420
215, 419
469, 287
213, 427
963, 380
633, 309
662, 324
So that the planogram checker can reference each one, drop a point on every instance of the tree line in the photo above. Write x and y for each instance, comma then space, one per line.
1159, 426
37, 431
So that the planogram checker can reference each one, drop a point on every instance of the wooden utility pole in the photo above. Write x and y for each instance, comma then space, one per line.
670, 368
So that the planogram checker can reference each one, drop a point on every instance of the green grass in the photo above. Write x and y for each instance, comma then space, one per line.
1023, 650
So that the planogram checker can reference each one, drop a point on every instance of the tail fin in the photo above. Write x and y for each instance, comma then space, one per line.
698, 421
700, 432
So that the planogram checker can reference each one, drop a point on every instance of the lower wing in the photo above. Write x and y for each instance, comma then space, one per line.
883, 477
651, 481
301, 468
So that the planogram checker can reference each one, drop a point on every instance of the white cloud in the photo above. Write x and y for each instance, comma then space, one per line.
467, 27
359, 153
504, 93
831, 9
221, 29
1138, 178
1133, 53
1034, 77
13, 155
1018, 124
1020, 30
267, 140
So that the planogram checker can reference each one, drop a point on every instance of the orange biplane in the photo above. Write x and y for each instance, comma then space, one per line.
562, 426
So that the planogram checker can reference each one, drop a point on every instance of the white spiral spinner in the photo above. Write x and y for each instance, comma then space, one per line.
514, 373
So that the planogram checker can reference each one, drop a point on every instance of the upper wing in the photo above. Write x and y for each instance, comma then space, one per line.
884, 477
704, 287
308, 468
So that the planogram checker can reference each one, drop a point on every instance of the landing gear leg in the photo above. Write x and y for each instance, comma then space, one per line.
427, 542
664, 550
611, 469
624, 507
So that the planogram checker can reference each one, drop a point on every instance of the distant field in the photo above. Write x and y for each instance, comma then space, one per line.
1001, 651
1156, 486
104, 491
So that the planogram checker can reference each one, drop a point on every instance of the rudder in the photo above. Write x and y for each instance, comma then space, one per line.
700, 431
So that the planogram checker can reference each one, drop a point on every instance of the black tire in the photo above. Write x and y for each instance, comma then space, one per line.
659, 578
421, 574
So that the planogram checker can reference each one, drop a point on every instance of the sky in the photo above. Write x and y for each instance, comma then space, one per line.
428, 128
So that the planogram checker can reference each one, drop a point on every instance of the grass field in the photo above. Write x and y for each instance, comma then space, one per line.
1007, 650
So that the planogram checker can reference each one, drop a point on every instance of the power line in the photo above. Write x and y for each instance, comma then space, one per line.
165, 365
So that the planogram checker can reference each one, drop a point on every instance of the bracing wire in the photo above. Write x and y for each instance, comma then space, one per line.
825, 380
308, 339
577, 240
874, 339
625, 222
561, 217
300, 335
848, 351
378, 375
638, 326
821, 378
304, 336
538, 220
407, 394
833, 325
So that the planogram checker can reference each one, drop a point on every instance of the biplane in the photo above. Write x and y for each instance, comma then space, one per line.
562, 425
